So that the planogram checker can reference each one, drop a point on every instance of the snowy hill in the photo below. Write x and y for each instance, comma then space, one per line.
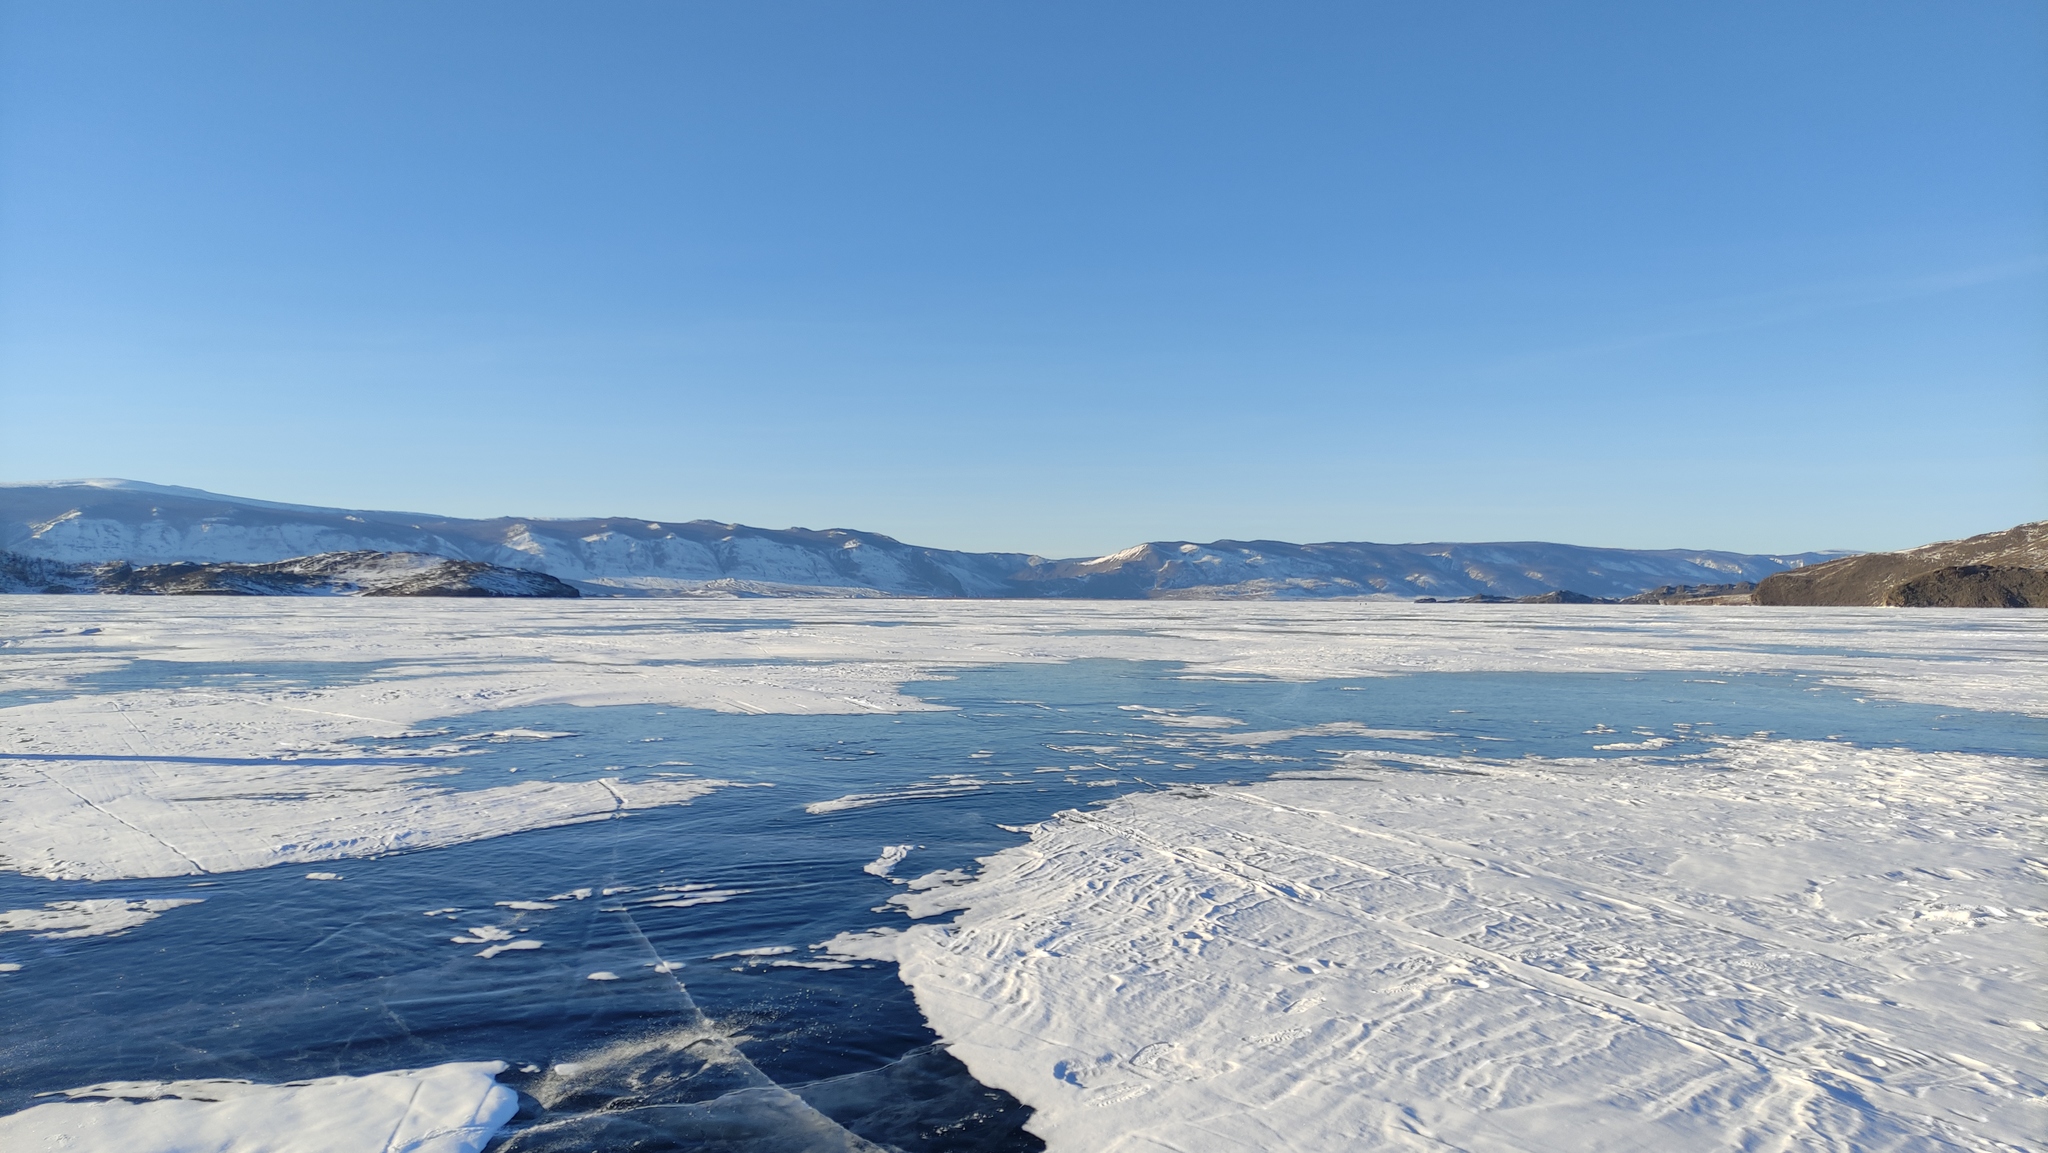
99, 521
106, 520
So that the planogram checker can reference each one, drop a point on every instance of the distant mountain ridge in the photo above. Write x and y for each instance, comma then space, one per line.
101, 521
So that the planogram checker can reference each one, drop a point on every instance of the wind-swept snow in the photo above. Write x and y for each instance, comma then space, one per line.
446, 1109
1783, 944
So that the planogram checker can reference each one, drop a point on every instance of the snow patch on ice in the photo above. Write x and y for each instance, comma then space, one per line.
522, 735
520, 945
877, 944
1331, 729
453, 1108
98, 917
690, 896
892, 856
1637, 746
950, 786
81, 820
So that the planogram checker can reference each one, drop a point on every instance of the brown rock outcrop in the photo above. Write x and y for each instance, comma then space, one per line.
1873, 578
1974, 586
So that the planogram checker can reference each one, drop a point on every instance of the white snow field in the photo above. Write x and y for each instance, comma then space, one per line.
1788, 945
1771, 944
446, 1109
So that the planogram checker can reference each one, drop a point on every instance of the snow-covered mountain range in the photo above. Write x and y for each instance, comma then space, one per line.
123, 520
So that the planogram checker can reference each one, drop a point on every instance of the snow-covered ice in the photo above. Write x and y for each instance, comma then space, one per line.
453, 1108
160, 818
1393, 933
891, 856
947, 786
1781, 941
520, 945
109, 783
93, 917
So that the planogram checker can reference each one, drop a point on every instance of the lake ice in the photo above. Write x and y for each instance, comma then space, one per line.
798, 875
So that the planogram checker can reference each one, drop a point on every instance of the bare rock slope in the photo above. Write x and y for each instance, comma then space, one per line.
1974, 586
1993, 570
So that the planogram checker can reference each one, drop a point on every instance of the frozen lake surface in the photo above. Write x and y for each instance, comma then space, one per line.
1332, 876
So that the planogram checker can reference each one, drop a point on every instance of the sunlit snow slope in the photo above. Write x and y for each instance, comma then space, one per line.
119, 520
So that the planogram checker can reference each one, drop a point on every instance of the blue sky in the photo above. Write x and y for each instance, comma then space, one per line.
1056, 277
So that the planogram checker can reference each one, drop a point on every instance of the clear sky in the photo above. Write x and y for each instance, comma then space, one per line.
1056, 277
